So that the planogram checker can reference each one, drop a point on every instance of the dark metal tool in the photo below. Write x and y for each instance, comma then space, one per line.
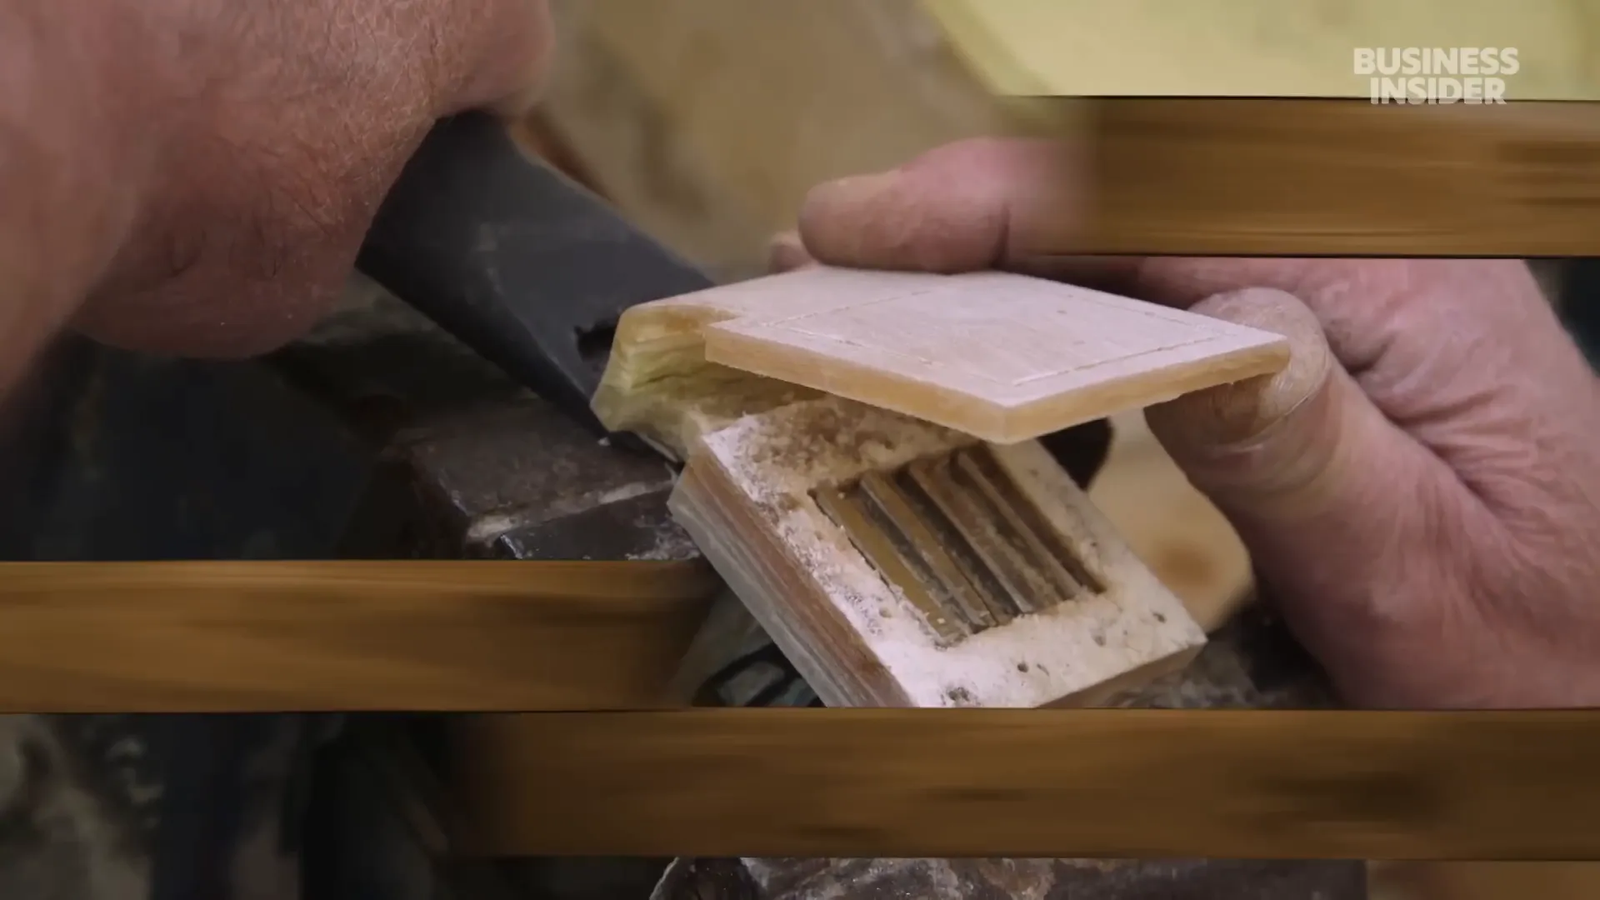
524, 266
531, 270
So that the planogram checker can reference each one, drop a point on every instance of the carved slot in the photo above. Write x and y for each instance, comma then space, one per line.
960, 540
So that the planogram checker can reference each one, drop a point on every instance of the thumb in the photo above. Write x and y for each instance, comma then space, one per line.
1266, 442
1328, 495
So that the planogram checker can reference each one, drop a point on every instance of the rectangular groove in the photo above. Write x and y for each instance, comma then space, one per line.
1029, 520
961, 541
1044, 575
990, 592
968, 515
880, 549
898, 511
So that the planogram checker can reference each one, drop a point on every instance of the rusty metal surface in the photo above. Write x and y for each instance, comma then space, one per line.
469, 466
473, 466
381, 421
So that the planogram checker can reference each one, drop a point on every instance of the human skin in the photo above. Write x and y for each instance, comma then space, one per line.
195, 176
1420, 492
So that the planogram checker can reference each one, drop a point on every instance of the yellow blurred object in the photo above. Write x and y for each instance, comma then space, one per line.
1484, 881
1170, 525
1259, 48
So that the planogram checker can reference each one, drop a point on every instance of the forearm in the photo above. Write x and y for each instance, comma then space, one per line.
69, 189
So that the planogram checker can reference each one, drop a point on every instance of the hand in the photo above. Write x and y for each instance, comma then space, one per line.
1420, 490
228, 157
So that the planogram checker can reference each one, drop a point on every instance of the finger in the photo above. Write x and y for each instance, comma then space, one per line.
786, 252
1018, 205
1337, 505
1022, 205
970, 205
508, 56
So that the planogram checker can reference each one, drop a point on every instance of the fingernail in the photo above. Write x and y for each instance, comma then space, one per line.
1259, 435
854, 190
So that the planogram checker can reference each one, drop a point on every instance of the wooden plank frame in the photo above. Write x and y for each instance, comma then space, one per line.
1040, 783
462, 636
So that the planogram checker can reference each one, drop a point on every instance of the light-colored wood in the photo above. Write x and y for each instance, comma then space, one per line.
1045, 783
1485, 881
1184, 539
895, 561
1259, 48
1002, 357
900, 564
1258, 177
394, 635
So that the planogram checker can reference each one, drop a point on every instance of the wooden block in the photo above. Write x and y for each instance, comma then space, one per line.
1003, 357
897, 563
1256, 48
998, 356
1485, 880
1184, 539
1117, 784
1262, 177
344, 635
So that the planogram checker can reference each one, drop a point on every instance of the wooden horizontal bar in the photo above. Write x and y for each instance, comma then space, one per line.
346, 635
1267, 177
1244, 48
1035, 783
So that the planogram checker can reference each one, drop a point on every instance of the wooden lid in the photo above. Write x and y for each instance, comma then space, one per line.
1002, 357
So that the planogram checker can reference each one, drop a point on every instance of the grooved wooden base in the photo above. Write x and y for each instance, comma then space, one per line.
900, 564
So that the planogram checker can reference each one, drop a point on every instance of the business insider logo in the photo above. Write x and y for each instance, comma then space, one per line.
1418, 75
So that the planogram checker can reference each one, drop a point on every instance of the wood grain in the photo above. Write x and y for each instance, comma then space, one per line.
1253, 48
999, 356
900, 564
1182, 536
709, 130
1263, 177
1485, 881
1039, 783
246, 636
862, 535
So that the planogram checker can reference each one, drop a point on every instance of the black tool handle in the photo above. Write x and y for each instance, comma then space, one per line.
514, 259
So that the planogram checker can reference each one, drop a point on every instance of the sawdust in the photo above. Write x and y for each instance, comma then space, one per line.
775, 460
